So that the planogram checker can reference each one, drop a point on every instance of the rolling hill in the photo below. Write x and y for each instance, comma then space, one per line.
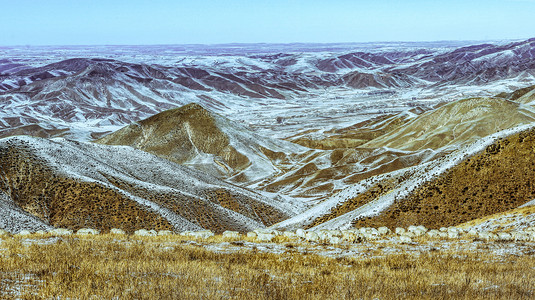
193, 136
70, 184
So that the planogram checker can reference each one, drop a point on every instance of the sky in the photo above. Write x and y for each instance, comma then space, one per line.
137, 22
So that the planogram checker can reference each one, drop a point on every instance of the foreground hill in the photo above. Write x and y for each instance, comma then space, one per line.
434, 144
64, 183
492, 175
495, 180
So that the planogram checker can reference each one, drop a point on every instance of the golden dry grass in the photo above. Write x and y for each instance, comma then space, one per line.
105, 267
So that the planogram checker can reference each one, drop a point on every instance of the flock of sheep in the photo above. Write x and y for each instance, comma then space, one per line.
403, 235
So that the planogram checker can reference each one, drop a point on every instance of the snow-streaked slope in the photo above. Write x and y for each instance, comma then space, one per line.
13, 219
180, 196
456, 123
191, 135
196, 137
271, 87
512, 220
413, 178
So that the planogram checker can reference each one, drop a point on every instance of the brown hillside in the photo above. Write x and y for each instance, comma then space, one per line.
516, 95
355, 135
511, 220
455, 123
179, 135
62, 200
33, 130
498, 179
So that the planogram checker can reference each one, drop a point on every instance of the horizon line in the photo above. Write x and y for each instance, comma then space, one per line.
272, 43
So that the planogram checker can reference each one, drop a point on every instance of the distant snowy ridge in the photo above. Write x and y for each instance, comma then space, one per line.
96, 95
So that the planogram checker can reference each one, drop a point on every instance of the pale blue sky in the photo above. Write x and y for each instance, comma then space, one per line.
86, 22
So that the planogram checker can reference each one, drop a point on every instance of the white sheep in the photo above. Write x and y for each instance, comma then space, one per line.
165, 232
145, 232
409, 234
433, 233
87, 231
365, 230
117, 231
453, 234
322, 234
487, 236
504, 236
231, 234
264, 237
412, 228
520, 236
404, 239
369, 236
202, 234
422, 228
276, 232
335, 240
301, 233
290, 235
419, 232
349, 236
269, 231
373, 231
312, 236
472, 232
383, 230
336, 233
454, 229
400, 231
60, 231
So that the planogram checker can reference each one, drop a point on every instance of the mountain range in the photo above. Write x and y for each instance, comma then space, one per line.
434, 137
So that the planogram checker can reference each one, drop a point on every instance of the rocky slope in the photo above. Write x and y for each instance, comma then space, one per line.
496, 180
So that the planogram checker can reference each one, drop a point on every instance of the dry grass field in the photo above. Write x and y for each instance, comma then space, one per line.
170, 267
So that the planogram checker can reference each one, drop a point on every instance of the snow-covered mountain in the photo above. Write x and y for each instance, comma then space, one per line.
80, 96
